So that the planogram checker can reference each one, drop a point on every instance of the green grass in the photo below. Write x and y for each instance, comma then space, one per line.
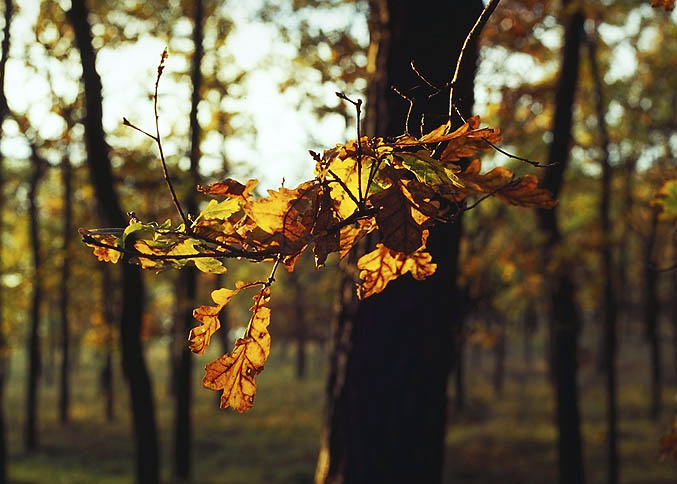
508, 439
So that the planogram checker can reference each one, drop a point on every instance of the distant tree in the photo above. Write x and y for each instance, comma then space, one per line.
98, 157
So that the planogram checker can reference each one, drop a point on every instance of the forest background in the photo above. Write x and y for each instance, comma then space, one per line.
265, 95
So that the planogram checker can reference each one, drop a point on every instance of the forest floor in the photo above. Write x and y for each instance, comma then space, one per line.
507, 438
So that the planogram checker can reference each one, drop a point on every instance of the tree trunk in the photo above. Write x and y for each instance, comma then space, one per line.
106, 375
396, 341
182, 436
500, 351
4, 361
300, 326
651, 312
64, 394
133, 362
33, 350
565, 317
609, 315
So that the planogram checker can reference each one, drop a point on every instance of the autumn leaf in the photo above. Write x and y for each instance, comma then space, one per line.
326, 219
464, 142
525, 192
103, 254
200, 336
382, 265
286, 215
231, 189
350, 235
342, 164
234, 373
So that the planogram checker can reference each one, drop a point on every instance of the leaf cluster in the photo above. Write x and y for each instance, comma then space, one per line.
396, 190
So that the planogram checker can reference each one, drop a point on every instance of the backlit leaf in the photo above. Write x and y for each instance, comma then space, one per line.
382, 265
200, 336
234, 373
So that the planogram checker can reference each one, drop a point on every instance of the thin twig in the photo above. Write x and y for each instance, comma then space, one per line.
158, 141
266, 285
411, 106
479, 25
508, 154
358, 107
345, 188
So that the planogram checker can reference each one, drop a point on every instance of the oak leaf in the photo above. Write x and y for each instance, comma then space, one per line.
234, 373
326, 220
231, 189
382, 265
208, 316
103, 254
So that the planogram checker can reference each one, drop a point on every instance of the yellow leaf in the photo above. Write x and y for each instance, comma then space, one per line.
234, 373
200, 336
230, 188
382, 265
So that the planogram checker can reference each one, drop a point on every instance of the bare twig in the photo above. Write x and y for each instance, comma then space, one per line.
508, 154
358, 108
158, 141
479, 25
411, 106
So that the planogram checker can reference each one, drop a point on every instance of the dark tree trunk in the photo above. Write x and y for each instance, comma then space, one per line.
565, 317
33, 350
133, 362
64, 395
459, 371
183, 433
651, 312
300, 326
500, 351
4, 361
530, 324
106, 376
609, 315
402, 339
674, 303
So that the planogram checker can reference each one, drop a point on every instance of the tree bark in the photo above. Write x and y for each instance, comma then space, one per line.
33, 350
609, 314
4, 111
64, 393
98, 159
565, 317
106, 375
651, 312
183, 431
402, 339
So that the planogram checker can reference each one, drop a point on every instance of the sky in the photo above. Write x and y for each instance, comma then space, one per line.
285, 127
280, 149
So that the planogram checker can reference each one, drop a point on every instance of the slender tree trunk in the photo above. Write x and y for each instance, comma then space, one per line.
300, 328
4, 361
609, 315
530, 324
674, 303
33, 350
565, 317
107, 378
133, 362
459, 371
500, 351
394, 342
183, 433
64, 395
651, 312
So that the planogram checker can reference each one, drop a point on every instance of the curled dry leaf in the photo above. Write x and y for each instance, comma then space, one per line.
382, 265
200, 336
234, 373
